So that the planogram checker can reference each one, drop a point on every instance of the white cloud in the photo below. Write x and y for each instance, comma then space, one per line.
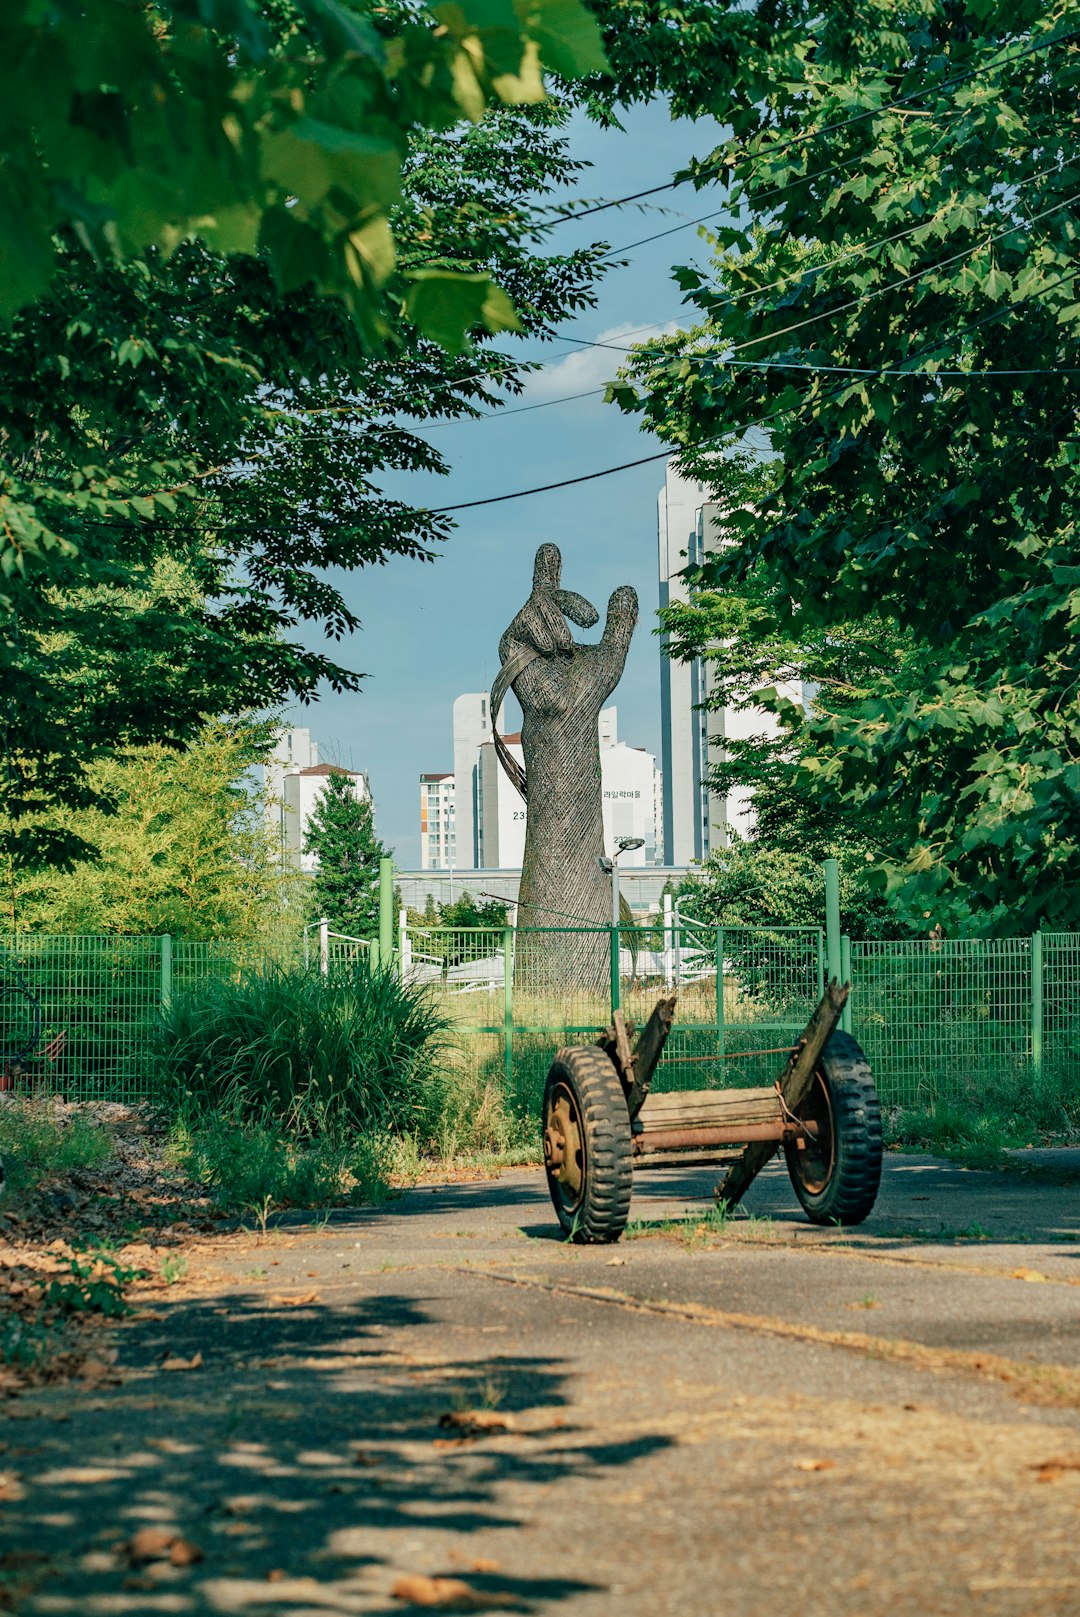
588, 368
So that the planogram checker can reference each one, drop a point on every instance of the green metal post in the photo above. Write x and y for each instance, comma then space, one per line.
845, 973
615, 999
386, 911
166, 971
508, 1006
720, 990
1037, 1001
834, 970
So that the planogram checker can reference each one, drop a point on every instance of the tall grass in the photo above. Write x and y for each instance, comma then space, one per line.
352, 1052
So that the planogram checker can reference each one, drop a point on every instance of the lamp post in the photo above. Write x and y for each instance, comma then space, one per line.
610, 867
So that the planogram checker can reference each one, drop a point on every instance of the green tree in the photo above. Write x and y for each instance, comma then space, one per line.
341, 835
917, 385
188, 448
180, 844
281, 126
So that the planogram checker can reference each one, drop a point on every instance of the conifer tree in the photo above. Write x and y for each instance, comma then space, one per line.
341, 834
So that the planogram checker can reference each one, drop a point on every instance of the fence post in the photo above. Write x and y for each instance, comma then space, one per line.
1037, 1001
404, 945
720, 990
508, 1006
669, 944
834, 970
166, 971
615, 999
324, 946
845, 974
386, 911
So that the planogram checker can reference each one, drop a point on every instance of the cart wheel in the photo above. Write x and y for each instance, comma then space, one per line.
587, 1151
836, 1176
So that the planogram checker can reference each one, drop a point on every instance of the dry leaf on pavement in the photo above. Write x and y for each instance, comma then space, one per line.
814, 1465
449, 1594
1026, 1274
185, 1553
160, 1544
294, 1302
174, 1362
1052, 1470
476, 1422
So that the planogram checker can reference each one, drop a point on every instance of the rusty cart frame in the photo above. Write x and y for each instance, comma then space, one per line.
602, 1122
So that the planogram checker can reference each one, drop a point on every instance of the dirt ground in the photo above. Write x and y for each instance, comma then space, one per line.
439, 1405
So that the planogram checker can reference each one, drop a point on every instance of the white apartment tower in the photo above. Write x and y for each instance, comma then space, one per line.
630, 783
692, 738
472, 727
438, 822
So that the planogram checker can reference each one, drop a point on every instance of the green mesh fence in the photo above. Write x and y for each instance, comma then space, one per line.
78, 1014
744, 994
1060, 1019
942, 1017
93, 1003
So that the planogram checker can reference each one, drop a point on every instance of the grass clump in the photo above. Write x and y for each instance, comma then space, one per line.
959, 1131
252, 1167
35, 1141
355, 1051
976, 1121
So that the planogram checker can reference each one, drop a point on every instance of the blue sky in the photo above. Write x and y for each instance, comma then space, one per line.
431, 631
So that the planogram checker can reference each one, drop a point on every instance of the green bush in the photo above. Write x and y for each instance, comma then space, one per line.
352, 1052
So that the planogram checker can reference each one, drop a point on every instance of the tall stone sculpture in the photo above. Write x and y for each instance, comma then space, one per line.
561, 686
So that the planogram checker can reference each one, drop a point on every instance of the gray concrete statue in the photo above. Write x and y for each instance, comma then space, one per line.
561, 687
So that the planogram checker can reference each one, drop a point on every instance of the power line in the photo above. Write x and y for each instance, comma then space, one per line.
683, 449
914, 95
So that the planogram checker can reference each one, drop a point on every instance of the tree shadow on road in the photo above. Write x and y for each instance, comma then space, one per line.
317, 1453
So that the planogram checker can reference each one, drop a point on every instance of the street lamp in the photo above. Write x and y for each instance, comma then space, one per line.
610, 867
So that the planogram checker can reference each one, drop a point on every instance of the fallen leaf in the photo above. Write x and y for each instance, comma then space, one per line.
615, 1263
275, 1575
1027, 1274
184, 1553
475, 1422
362, 1457
172, 1362
294, 1302
474, 1563
451, 1594
11, 1488
1053, 1470
97, 1374
150, 1544
814, 1465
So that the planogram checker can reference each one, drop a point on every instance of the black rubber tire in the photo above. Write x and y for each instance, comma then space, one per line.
597, 1212
838, 1182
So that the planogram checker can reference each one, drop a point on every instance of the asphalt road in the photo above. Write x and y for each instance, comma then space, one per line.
770, 1419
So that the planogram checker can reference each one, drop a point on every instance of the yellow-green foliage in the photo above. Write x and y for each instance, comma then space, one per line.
183, 850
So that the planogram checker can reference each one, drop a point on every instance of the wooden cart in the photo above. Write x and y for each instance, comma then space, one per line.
601, 1122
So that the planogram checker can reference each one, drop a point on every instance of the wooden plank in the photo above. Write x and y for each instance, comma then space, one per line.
795, 1083
710, 1100
648, 1050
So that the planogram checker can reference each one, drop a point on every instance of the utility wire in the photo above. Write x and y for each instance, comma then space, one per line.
844, 123
683, 449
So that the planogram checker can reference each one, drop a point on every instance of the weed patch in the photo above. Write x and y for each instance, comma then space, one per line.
255, 1168
35, 1141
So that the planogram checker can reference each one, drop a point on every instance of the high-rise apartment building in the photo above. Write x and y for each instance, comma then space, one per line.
496, 820
630, 783
438, 822
692, 735
472, 727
